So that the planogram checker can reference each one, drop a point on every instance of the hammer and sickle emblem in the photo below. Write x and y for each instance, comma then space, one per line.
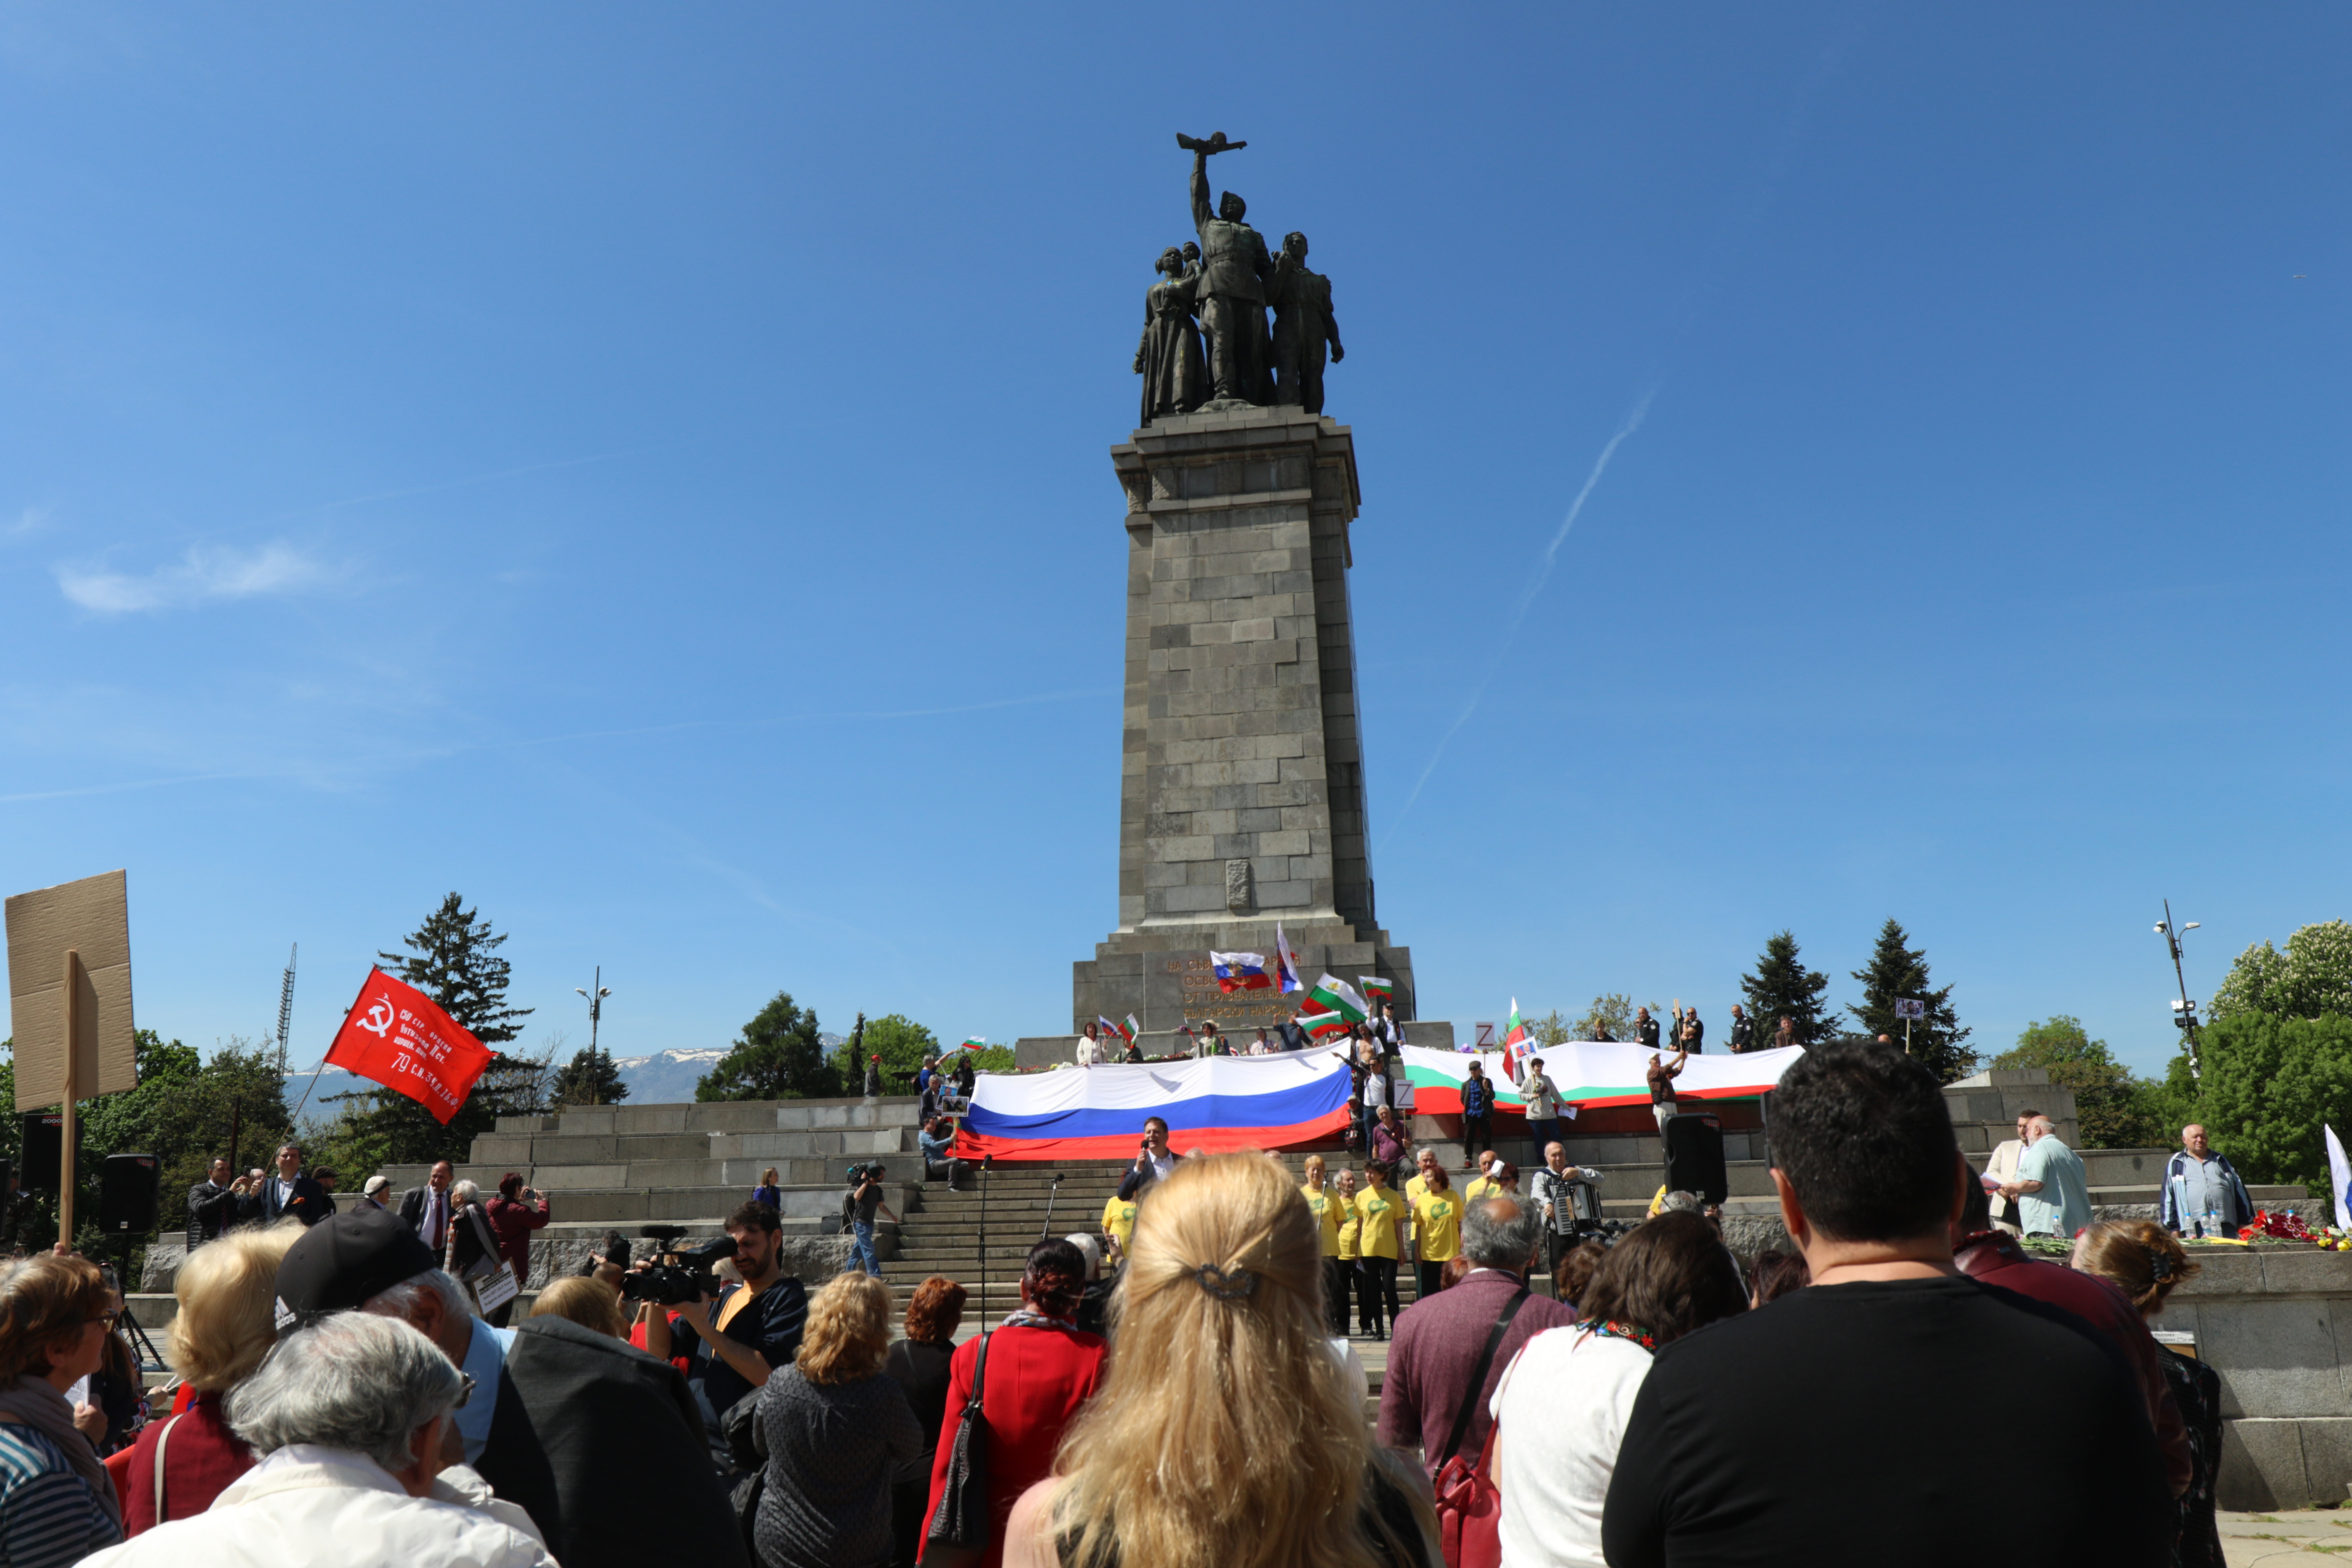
378, 1021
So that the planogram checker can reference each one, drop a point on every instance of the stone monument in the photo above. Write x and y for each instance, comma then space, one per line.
1242, 777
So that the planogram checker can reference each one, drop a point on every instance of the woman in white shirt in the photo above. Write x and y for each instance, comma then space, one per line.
1561, 1407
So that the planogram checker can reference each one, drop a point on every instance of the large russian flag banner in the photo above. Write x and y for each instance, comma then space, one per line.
1591, 1073
1218, 1104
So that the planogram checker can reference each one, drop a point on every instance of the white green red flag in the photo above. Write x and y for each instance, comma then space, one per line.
1377, 989
1333, 994
1317, 1023
1515, 1032
1129, 1030
975, 1043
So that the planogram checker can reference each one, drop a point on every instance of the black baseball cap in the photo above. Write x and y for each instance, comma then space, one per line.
343, 1261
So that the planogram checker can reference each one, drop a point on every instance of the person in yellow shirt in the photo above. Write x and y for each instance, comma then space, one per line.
1437, 1232
1351, 1229
1379, 1209
1484, 1184
1324, 1204
1118, 1226
1417, 1184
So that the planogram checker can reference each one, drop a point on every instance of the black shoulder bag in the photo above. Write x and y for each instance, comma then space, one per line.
958, 1536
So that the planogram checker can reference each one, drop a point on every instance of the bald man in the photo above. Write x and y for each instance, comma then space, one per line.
2052, 1195
2202, 1192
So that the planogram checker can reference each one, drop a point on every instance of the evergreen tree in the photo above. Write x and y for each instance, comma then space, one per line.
453, 958
900, 1042
588, 1079
1897, 970
777, 1056
1782, 987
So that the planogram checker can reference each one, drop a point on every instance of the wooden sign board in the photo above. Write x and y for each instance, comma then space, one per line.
91, 917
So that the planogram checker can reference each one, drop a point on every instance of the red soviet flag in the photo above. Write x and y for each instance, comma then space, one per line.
395, 1036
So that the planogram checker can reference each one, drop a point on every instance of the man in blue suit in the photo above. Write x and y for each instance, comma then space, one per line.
290, 1192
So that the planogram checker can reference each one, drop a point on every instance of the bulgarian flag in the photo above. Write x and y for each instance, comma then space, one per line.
1321, 1024
973, 1043
1515, 1033
1377, 989
1129, 1030
1333, 994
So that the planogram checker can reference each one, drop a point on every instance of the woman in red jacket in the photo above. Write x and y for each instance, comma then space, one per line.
1040, 1369
514, 1219
229, 1293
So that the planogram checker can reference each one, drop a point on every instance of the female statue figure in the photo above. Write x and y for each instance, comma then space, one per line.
1175, 377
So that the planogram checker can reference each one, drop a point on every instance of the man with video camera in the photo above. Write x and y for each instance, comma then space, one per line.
755, 1329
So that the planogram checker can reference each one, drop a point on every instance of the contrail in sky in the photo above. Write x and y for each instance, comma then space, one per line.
1527, 600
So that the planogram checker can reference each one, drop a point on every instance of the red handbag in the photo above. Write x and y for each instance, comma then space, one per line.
1470, 1511
1469, 1505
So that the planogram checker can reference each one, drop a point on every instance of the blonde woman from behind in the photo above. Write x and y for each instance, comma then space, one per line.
1223, 1353
227, 1293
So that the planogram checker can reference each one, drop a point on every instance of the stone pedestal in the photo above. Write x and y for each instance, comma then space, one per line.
1242, 779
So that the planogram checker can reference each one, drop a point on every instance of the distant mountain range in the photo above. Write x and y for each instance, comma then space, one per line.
665, 1077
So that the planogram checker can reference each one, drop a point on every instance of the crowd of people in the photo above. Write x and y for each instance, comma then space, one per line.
1181, 1392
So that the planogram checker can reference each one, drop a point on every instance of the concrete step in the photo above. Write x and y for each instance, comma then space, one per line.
720, 1116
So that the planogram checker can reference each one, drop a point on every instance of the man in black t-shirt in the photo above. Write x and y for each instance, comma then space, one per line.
1876, 1376
750, 1329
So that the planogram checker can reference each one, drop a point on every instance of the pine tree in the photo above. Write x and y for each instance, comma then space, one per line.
453, 958
1782, 987
777, 1056
1897, 970
588, 1079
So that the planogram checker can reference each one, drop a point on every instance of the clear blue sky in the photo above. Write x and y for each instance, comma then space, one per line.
647, 470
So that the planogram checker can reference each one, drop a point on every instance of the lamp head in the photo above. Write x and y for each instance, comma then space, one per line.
2160, 928
2192, 925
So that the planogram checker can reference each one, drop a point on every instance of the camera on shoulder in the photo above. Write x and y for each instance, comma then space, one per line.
676, 1275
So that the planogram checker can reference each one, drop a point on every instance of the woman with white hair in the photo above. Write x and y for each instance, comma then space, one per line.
350, 1415
472, 1255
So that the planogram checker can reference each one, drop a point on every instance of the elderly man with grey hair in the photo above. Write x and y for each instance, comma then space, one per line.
349, 1416
1451, 1348
2052, 1192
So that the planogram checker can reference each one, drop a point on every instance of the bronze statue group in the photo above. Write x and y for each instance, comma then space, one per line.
1221, 289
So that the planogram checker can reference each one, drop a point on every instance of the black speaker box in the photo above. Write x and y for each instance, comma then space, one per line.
1695, 1157
127, 1195
42, 1140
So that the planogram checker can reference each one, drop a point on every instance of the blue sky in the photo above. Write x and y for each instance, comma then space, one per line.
649, 472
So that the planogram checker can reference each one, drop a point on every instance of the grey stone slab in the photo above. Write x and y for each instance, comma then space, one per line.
2273, 1356
2262, 1465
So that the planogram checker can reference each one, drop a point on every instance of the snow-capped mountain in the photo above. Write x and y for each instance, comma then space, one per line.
667, 1076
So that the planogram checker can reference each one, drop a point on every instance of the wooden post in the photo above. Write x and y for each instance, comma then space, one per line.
73, 1042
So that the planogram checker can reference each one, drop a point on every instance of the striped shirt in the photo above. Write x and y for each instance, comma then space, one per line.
48, 1516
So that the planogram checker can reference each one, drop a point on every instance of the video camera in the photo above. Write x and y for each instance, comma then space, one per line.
858, 1174
676, 1276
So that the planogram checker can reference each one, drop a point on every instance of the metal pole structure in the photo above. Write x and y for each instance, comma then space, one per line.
2172, 935
596, 993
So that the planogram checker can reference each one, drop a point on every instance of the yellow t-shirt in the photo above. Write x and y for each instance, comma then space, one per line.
1437, 1219
1415, 1187
1326, 1206
1350, 1227
1483, 1187
1379, 1209
1119, 1221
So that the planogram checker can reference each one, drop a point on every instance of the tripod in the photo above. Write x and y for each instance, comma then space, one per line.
143, 1348
1052, 1191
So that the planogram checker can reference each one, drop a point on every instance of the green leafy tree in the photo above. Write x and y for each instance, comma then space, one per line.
2115, 1110
900, 1042
1897, 970
2311, 978
1782, 987
588, 1079
1610, 1015
1552, 1029
777, 1057
452, 958
2271, 1083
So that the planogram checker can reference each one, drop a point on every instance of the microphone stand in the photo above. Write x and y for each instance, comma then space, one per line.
1052, 1191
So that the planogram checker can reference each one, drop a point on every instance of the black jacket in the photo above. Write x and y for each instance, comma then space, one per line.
769, 1323
310, 1203
584, 1422
211, 1210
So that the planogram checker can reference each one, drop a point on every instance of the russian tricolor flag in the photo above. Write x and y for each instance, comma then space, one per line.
1241, 971
1218, 1104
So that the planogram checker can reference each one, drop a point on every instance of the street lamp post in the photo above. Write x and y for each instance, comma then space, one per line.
2184, 1011
595, 1011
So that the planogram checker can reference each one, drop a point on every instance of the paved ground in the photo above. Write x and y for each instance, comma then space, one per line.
2298, 1535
